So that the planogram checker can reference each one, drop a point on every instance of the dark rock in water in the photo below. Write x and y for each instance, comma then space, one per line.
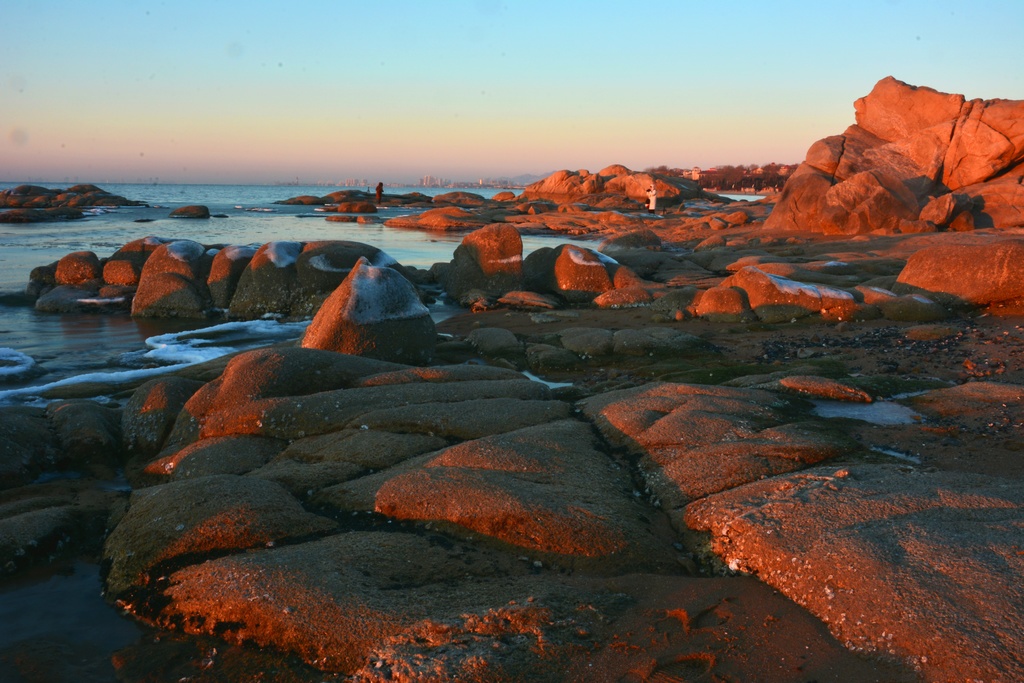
194, 211
173, 282
226, 272
375, 312
27, 446
303, 200
70, 299
356, 207
89, 435
77, 268
40, 215
267, 284
60, 204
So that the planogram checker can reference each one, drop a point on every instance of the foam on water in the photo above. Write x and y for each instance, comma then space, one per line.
14, 363
171, 352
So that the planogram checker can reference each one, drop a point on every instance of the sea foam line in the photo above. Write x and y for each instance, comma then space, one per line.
176, 351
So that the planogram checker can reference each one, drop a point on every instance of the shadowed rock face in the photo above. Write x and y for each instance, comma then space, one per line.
909, 146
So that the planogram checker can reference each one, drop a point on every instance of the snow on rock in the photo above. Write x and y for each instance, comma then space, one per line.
185, 250
283, 254
375, 312
379, 294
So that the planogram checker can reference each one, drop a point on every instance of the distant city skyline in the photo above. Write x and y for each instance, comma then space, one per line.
123, 91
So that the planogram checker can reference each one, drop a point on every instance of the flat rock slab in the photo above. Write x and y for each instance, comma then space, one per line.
923, 566
387, 606
186, 519
542, 489
694, 440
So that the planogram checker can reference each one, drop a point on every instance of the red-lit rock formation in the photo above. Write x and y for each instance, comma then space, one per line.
916, 160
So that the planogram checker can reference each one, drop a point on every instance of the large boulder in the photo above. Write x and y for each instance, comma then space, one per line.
489, 260
375, 312
173, 282
778, 299
78, 268
124, 267
268, 282
226, 271
323, 265
973, 275
576, 274
909, 146
192, 211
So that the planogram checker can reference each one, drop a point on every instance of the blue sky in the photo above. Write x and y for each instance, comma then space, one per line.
185, 91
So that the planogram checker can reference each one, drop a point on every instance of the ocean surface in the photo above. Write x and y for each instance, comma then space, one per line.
40, 349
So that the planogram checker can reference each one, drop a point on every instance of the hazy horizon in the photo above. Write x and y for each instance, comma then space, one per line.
190, 92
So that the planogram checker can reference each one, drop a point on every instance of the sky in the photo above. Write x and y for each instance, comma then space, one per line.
265, 92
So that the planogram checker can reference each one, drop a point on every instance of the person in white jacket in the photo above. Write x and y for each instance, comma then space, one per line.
652, 199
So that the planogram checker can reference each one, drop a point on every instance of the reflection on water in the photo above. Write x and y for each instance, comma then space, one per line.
879, 412
59, 625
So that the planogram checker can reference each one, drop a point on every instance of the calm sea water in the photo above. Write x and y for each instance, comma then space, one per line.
64, 346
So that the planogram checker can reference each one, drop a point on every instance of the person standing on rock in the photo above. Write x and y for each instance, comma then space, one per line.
380, 191
652, 199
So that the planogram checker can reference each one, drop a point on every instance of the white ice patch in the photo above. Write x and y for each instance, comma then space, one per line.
588, 258
832, 293
792, 287
96, 301
380, 294
323, 263
878, 412
207, 343
383, 260
237, 252
553, 385
185, 250
14, 363
888, 294
283, 254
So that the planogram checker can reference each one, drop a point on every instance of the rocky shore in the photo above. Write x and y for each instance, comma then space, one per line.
775, 441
